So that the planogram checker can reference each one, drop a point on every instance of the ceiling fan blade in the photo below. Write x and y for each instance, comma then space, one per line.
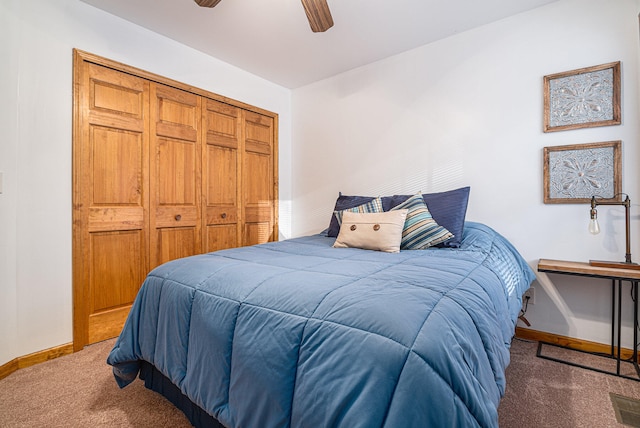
318, 14
207, 3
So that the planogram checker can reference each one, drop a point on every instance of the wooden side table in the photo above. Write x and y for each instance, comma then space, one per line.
617, 277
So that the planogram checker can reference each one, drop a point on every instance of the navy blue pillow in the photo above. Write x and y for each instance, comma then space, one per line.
344, 202
448, 209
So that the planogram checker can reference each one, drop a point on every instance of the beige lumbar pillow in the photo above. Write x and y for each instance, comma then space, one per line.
372, 231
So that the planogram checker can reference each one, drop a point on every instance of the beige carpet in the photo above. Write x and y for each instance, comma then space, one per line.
79, 391
543, 393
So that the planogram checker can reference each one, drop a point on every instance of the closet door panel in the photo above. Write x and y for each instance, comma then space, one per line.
176, 162
110, 199
177, 113
174, 174
258, 180
113, 99
221, 191
257, 233
221, 237
174, 243
118, 276
115, 280
117, 156
220, 171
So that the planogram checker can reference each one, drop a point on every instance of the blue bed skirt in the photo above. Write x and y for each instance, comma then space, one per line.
156, 381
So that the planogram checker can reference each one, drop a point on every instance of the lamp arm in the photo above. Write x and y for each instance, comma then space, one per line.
595, 202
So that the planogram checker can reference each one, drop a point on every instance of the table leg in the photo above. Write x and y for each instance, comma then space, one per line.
619, 326
634, 296
613, 317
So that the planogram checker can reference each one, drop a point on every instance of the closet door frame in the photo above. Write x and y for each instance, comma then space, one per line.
79, 215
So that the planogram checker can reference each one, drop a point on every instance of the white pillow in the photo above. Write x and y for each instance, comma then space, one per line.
372, 231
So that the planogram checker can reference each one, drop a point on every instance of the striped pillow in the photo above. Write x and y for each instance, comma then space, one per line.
373, 206
420, 229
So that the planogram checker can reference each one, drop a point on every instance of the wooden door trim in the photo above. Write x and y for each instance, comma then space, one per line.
80, 312
276, 181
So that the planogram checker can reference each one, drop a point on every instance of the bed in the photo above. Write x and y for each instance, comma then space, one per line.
299, 333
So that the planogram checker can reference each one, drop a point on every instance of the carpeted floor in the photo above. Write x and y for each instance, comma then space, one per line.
543, 393
78, 390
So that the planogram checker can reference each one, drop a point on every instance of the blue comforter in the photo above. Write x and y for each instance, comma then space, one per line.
297, 333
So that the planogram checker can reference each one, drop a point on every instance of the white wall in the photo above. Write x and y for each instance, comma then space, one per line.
36, 42
468, 111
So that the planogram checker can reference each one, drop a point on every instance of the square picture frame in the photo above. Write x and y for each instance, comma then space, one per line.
575, 173
582, 98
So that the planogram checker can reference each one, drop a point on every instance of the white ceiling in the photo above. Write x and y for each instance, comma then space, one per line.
272, 38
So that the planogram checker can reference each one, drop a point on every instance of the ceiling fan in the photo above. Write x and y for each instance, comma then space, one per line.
317, 11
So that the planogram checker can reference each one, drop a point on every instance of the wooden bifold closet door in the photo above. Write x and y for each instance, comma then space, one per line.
257, 170
220, 167
111, 208
161, 171
174, 178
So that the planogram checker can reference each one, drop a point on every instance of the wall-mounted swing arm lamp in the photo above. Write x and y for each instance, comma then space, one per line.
594, 228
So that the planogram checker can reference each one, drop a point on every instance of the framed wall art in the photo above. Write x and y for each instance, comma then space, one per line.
582, 98
575, 173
